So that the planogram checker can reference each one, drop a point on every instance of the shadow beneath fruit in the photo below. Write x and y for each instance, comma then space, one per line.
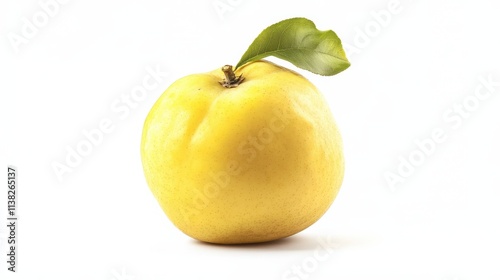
293, 243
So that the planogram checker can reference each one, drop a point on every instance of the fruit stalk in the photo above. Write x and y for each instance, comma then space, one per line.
231, 79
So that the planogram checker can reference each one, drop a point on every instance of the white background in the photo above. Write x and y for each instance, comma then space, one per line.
101, 221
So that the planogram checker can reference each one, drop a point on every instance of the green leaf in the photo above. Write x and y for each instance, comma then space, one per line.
298, 41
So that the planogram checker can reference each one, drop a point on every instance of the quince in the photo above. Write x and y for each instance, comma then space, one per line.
254, 159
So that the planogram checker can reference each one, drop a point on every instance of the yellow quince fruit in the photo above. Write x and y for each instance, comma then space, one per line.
254, 159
